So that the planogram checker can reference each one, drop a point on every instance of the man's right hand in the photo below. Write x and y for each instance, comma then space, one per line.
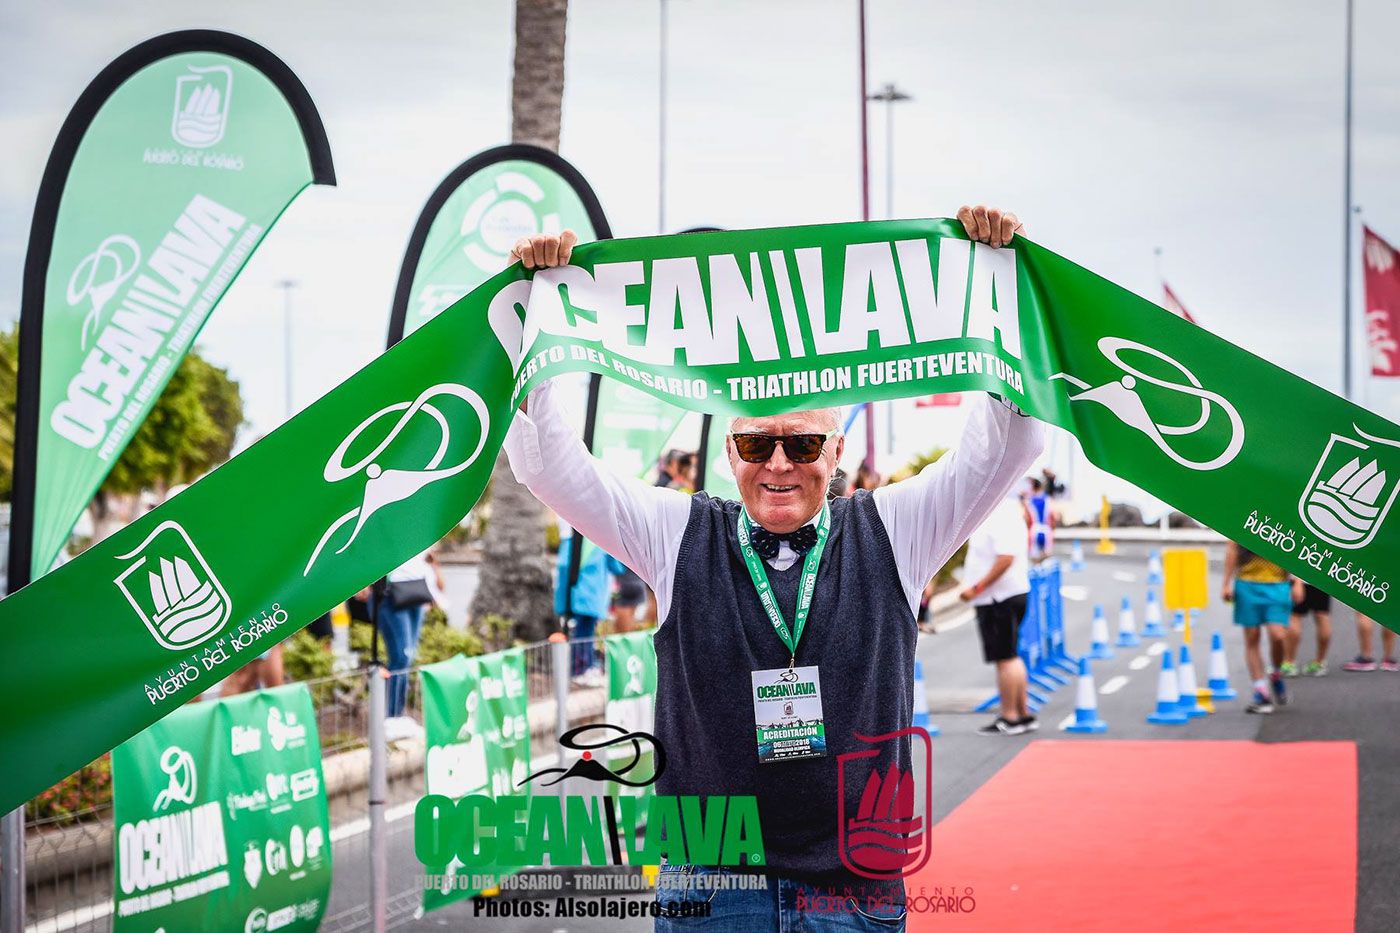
544, 250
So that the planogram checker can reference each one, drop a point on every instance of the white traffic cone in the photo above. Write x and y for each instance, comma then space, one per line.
1127, 626
1154, 568
1219, 671
1152, 617
1086, 704
1186, 685
1076, 557
1168, 712
1099, 649
1178, 621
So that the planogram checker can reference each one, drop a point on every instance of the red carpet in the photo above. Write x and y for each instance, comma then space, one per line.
1139, 836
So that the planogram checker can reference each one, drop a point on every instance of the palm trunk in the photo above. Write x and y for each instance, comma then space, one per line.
516, 582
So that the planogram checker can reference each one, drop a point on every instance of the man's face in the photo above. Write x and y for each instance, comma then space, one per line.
779, 494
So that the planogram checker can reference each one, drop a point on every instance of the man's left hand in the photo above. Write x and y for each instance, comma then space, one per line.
967, 594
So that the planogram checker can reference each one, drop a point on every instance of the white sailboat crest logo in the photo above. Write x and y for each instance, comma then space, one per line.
1350, 492
173, 590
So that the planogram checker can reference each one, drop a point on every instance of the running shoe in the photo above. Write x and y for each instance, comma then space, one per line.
1280, 690
1002, 726
1390, 664
1031, 723
1261, 704
1360, 663
1288, 669
1315, 669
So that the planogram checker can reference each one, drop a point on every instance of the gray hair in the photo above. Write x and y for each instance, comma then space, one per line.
829, 418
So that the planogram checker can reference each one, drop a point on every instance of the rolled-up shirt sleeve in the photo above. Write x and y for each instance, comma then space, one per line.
929, 516
642, 525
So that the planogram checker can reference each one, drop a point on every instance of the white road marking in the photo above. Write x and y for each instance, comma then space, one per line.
1113, 685
1076, 593
1065, 723
1139, 662
1156, 648
961, 619
1124, 577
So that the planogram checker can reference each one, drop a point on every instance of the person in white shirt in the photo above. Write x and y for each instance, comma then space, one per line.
998, 579
780, 587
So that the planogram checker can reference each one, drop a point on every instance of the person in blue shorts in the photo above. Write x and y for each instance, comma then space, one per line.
1263, 594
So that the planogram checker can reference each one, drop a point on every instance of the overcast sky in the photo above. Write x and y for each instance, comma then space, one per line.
1210, 129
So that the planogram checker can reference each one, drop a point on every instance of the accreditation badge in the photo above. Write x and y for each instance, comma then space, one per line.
787, 707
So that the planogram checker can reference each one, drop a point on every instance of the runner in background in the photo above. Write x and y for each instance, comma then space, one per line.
1042, 521
1263, 595
1366, 661
998, 578
1320, 605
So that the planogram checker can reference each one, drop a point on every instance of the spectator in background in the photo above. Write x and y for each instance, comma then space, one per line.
399, 607
664, 468
1263, 594
261, 673
587, 603
1366, 661
631, 593
683, 473
1053, 487
866, 477
1320, 605
997, 572
1042, 521
840, 485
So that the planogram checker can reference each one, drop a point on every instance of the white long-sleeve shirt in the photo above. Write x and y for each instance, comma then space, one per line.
927, 517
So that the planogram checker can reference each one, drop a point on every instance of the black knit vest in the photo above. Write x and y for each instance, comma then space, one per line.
860, 635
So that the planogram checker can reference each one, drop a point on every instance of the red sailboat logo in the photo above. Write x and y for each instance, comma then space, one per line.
888, 836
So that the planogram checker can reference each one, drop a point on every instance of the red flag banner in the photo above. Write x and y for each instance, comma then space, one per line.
1173, 304
939, 400
1382, 304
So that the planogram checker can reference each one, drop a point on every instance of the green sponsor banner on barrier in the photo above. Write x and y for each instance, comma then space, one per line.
221, 819
631, 706
475, 716
184, 166
759, 322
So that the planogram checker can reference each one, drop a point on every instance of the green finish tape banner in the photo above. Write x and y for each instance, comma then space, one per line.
759, 322
475, 716
221, 819
167, 175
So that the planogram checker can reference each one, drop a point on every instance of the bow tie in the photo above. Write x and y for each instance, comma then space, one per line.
765, 542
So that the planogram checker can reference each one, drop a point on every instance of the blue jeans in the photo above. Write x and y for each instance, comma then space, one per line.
400, 629
780, 905
583, 654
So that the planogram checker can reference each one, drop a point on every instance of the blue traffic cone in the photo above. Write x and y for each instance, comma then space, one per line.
1127, 626
1168, 711
1219, 682
921, 715
1154, 568
1186, 685
1099, 649
1086, 704
1152, 617
1076, 557
1178, 621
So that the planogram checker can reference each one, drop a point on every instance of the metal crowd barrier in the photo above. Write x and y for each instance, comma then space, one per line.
68, 850
1042, 639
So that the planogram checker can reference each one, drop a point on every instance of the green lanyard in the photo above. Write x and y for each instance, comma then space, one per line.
805, 588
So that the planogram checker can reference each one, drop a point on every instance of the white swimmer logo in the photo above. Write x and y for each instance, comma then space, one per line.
385, 487
1122, 399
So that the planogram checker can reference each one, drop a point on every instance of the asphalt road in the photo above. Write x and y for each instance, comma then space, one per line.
1356, 707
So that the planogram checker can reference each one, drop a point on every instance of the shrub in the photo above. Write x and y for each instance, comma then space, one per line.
84, 789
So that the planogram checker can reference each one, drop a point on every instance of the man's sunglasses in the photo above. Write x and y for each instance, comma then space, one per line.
799, 448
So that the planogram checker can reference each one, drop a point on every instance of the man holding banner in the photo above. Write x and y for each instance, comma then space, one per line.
739, 584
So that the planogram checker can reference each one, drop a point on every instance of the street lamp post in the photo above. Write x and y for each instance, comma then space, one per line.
287, 285
890, 95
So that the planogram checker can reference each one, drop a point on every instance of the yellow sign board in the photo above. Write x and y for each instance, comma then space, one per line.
1184, 575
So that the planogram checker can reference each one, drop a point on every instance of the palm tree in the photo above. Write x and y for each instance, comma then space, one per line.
516, 582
